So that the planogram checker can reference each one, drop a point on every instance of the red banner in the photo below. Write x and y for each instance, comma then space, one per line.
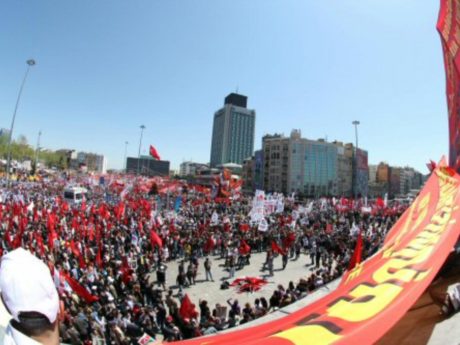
449, 29
379, 291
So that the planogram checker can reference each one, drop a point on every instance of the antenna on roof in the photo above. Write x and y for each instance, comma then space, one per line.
237, 88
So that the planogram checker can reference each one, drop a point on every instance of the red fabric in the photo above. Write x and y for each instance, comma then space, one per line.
154, 153
99, 256
356, 258
155, 239
41, 247
448, 27
210, 244
248, 284
380, 203
126, 271
244, 227
79, 289
244, 248
431, 166
187, 308
277, 249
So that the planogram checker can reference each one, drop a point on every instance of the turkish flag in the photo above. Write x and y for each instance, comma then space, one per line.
187, 308
154, 153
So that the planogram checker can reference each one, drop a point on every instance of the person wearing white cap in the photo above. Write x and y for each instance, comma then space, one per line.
29, 294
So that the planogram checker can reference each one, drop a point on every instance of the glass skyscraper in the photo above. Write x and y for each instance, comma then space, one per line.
233, 131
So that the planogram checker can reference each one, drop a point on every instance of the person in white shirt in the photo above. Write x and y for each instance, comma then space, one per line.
29, 295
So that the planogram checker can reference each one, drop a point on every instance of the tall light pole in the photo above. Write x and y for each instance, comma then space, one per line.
37, 150
355, 170
139, 152
30, 63
124, 159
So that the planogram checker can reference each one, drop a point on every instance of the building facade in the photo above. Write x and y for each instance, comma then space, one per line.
87, 161
295, 164
344, 169
361, 182
320, 168
233, 131
248, 173
275, 156
147, 166
191, 168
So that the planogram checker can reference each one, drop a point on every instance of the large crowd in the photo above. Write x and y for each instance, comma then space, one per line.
108, 254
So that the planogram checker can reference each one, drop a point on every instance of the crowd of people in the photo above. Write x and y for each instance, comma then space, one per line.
109, 253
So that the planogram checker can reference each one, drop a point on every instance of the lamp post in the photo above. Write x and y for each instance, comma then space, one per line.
356, 123
124, 159
139, 152
37, 150
30, 63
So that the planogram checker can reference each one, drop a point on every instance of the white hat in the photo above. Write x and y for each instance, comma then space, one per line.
26, 285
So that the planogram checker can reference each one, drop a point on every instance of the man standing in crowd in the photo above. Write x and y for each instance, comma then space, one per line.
30, 296
207, 269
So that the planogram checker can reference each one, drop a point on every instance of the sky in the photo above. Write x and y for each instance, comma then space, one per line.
106, 67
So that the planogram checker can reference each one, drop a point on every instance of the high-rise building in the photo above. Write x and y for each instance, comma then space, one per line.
233, 131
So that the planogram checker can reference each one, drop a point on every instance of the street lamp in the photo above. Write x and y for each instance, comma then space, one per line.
356, 123
37, 151
139, 152
30, 63
124, 159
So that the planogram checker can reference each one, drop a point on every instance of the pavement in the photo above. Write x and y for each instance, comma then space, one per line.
211, 291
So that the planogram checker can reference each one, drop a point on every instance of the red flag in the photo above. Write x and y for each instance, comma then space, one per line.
75, 250
79, 289
154, 153
380, 203
99, 256
77, 253
125, 270
431, 166
210, 244
277, 249
356, 258
155, 239
187, 308
41, 247
244, 248
244, 227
